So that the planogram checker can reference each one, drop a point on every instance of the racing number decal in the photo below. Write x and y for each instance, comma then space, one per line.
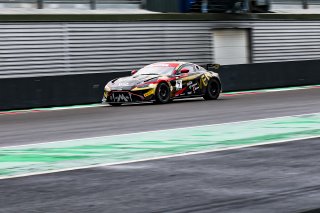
179, 84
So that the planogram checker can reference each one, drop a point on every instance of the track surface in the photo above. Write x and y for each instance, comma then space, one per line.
270, 178
278, 178
92, 122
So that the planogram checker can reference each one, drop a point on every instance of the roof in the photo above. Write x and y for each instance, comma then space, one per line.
170, 63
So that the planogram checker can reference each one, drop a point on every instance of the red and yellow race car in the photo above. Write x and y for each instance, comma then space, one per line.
162, 82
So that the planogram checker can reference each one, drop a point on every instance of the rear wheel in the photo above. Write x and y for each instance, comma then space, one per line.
213, 90
115, 104
162, 93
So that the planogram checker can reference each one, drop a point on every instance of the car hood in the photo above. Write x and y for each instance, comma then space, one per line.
131, 81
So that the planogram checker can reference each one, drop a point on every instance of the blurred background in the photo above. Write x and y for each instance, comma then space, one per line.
61, 52
179, 6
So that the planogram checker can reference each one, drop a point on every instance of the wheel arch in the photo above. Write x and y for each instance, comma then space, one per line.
218, 79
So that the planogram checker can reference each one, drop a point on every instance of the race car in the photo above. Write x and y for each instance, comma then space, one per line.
163, 82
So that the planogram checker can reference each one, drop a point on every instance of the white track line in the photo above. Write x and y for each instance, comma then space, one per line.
156, 158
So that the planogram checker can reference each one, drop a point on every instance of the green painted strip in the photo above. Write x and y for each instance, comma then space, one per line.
46, 157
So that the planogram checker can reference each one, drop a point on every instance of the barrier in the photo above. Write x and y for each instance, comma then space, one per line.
20, 93
269, 75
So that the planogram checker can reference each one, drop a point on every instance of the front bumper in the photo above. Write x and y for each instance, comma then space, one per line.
120, 96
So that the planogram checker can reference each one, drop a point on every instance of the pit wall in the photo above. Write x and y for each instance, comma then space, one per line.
32, 92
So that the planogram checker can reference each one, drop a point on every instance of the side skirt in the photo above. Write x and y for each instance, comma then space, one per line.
185, 97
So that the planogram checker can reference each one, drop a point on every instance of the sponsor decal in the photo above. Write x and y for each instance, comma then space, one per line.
204, 80
148, 93
124, 84
120, 97
194, 87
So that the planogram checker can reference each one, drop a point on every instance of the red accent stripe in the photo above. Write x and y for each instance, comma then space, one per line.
181, 91
228, 95
246, 93
9, 113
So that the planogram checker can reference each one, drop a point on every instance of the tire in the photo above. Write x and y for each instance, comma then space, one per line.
162, 95
213, 89
115, 104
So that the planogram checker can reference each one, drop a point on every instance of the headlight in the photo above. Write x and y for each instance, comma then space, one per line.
145, 86
107, 88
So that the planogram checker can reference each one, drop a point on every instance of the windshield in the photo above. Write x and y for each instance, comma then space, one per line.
156, 70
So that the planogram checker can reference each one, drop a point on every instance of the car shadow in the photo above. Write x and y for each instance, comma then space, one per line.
177, 101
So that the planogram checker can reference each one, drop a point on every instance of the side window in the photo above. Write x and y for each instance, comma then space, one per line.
190, 67
197, 68
201, 69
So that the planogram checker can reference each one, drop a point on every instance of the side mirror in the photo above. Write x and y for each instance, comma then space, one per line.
133, 72
184, 70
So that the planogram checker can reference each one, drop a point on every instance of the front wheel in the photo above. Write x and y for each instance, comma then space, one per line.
162, 94
213, 90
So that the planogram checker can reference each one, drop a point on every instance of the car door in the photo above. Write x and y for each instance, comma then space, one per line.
187, 84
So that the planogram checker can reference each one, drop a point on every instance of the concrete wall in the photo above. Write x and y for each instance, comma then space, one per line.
20, 93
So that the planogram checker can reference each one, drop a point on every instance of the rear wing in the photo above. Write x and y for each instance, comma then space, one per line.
212, 67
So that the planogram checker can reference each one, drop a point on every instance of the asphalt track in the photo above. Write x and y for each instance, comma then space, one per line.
91, 122
270, 178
